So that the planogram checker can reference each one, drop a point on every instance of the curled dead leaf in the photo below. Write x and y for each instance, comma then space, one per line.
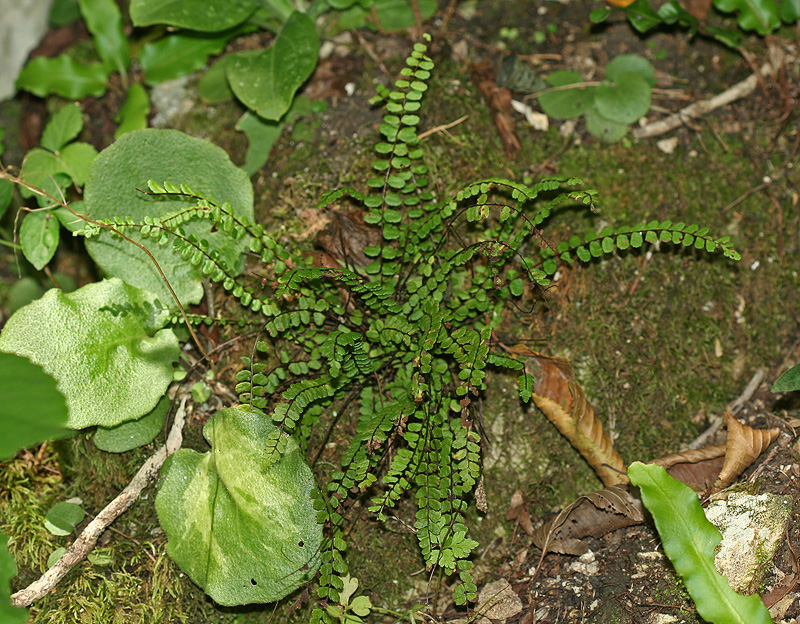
560, 397
593, 515
744, 445
697, 468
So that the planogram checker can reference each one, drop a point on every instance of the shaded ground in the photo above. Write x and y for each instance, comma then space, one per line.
661, 343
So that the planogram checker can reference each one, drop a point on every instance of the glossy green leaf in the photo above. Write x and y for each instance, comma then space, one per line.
240, 520
566, 103
689, 540
266, 80
54, 556
626, 100
63, 127
642, 16
758, 15
63, 76
8, 569
789, 381
604, 129
134, 433
790, 11
179, 54
104, 346
134, 112
33, 409
104, 21
152, 154
63, 518
38, 237
202, 15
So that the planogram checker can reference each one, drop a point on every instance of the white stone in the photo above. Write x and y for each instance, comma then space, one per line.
22, 26
752, 528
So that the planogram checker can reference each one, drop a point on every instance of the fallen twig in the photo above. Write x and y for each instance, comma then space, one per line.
443, 128
703, 107
88, 538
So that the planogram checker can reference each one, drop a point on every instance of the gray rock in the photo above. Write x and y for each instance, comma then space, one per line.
23, 24
752, 528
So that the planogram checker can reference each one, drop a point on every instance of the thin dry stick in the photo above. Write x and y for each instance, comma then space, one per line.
443, 128
88, 538
703, 107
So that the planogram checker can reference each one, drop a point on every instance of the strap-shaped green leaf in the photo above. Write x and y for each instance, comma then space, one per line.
689, 541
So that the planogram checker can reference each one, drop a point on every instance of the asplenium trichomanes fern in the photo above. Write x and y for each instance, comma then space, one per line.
404, 341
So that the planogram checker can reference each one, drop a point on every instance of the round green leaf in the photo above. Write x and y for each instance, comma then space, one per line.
631, 64
32, 410
38, 237
266, 80
63, 518
203, 15
55, 556
104, 346
134, 433
625, 101
240, 519
161, 155
566, 103
604, 129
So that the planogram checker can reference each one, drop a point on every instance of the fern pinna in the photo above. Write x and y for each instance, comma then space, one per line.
406, 339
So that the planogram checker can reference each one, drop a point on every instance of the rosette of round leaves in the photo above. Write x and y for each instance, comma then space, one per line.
115, 190
610, 107
105, 346
240, 519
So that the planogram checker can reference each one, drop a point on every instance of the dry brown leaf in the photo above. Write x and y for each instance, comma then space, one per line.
744, 445
697, 468
561, 398
345, 237
518, 510
594, 514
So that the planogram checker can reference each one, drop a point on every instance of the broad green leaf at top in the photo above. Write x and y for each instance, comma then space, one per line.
104, 345
266, 80
689, 540
202, 15
63, 75
104, 21
240, 518
114, 189
32, 409
759, 15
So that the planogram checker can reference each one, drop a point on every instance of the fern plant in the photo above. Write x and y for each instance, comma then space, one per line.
406, 337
